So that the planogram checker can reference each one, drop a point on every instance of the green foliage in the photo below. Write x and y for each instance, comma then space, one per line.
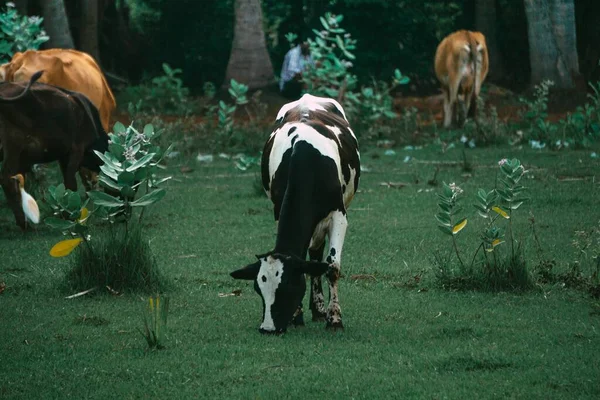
164, 93
142, 13
154, 317
19, 33
330, 75
237, 91
116, 260
489, 270
130, 164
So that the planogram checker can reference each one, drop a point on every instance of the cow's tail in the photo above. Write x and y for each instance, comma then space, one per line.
32, 80
474, 56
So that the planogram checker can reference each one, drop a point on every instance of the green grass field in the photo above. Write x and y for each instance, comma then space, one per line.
404, 338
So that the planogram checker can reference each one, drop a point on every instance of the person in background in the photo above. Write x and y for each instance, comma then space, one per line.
294, 63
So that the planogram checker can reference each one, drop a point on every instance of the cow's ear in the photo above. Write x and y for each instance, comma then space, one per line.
249, 272
312, 268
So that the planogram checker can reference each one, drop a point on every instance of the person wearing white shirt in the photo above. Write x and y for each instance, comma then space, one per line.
294, 63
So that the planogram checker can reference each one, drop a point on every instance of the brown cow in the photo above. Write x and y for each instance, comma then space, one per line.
68, 69
461, 77
41, 123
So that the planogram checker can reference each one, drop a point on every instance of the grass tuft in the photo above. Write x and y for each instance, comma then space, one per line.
510, 274
118, 260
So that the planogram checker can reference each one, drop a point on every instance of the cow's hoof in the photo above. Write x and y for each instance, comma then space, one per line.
334, 326
298, 320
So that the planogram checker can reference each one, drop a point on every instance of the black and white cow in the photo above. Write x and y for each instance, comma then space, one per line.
310, 171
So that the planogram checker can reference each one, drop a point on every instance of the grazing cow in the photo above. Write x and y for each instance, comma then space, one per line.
310, 170
67, 69
461, 65
41, 123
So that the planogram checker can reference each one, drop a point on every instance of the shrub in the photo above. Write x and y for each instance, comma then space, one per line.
331, 76
119, 259
488, 268
164, 94
19, 33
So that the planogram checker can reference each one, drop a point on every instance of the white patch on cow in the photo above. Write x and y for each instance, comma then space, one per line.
268, 279
337, 233
479, 47
303, 133
308, 103
467, 47
350, 189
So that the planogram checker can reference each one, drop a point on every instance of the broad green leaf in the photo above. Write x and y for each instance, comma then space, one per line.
501, 212
104, 199
59, 224
443, 219
65, 247
74, 201
108, 171
126, 178
149, 198
445, 229
109, 183
119, 128
149, 130
140, 163
459, 226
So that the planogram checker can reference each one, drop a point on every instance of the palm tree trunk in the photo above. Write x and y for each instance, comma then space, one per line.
56, 24
552, 41
249, 62
485, 22
88, 34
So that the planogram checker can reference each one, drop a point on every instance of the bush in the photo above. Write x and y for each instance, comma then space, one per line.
488, 269
19, 33
119, 259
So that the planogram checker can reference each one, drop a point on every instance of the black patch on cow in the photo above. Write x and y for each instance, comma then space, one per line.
332, 252
264, 162
292, 129
294, 140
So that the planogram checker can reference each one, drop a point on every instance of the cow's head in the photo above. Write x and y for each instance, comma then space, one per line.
279, 280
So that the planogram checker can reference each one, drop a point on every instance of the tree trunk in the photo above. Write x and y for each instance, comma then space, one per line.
552, 42
88, 34
249, 62
56, 24
485, 22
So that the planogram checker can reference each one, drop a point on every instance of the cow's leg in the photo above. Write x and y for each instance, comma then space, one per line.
337, 232
69, 166
317, 299
447, 109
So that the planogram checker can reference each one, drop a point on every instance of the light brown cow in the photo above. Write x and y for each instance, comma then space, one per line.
68, 69
461, 77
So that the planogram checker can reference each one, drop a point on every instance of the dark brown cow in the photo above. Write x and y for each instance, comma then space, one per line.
41, 123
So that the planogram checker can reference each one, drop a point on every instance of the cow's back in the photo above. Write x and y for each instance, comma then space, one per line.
453, 56
321, 123
68, 69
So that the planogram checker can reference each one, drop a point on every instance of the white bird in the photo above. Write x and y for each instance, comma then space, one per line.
30, 207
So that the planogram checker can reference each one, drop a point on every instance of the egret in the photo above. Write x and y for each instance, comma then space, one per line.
30, 207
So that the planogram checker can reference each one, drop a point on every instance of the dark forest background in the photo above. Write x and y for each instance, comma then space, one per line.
134, 37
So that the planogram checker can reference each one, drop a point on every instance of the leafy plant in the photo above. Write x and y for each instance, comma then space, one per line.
130, 163
19, 33
154, 317
487, 268
129, 171
165, 93
536, 113
331, 76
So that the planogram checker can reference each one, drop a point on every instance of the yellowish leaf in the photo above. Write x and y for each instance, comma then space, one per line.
496, 242
84, 215
501, 212
459, 227
65, 247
